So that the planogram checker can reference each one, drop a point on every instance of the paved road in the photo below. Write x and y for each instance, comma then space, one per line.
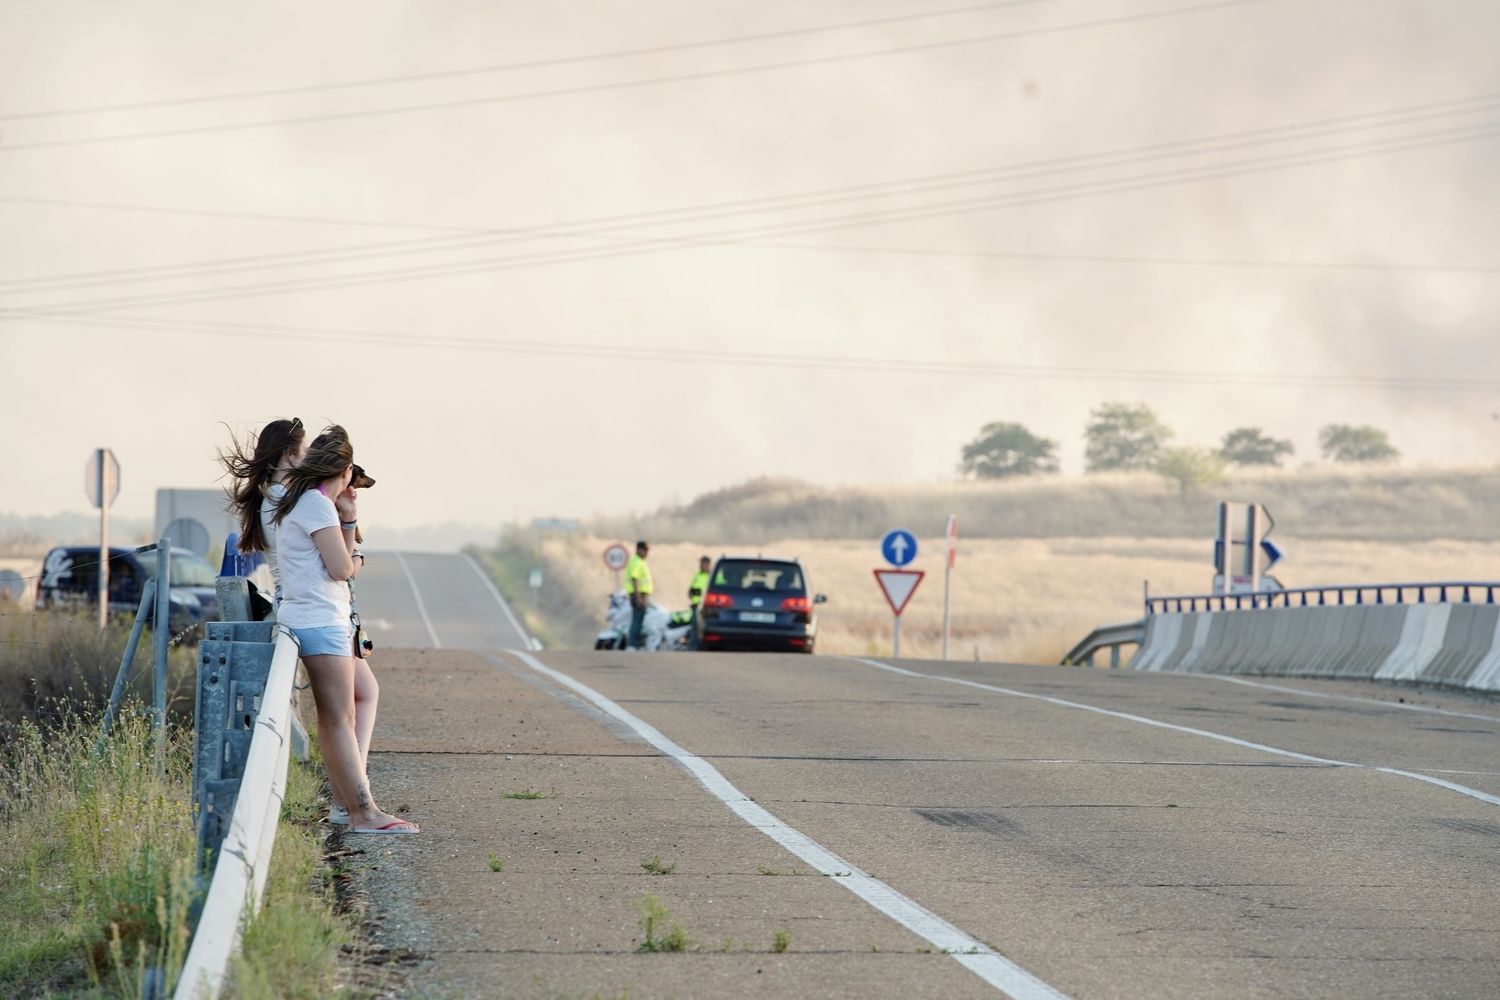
1059, 831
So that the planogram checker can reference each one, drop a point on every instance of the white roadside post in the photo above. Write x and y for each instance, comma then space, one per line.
952, 534
101, 484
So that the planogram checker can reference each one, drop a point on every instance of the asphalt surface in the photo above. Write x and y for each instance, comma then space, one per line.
1057, 831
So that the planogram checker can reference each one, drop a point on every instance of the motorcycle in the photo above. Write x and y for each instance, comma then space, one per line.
662, 631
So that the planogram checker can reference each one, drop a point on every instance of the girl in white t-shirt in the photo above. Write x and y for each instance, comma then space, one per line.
315, 521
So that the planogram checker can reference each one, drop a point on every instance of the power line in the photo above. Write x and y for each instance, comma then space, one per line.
737, 237
809, 198
852, 364
621, 84
381, 81
473, 237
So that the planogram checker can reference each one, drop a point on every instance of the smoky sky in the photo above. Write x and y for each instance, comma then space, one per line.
624, 257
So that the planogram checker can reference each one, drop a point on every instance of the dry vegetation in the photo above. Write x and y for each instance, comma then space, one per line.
1044, 560
1384, 504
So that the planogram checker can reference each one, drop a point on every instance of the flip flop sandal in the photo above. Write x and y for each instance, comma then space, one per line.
395, 826
338, 816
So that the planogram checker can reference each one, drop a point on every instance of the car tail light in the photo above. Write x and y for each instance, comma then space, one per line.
796, 604
712, 637
715, 600
797, 642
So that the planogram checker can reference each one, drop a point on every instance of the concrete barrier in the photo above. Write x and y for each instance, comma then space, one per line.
1457, 645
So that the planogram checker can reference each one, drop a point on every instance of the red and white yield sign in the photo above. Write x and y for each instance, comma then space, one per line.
898, 585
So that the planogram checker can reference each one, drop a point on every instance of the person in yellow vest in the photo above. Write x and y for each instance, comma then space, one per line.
696, 590
638, 589
699, 586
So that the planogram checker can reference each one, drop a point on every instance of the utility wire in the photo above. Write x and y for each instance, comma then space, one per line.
812, 362
732, 237
620, 84
380, 81
591, 228
809, 198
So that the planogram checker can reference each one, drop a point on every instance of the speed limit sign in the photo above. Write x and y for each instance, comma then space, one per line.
616, 556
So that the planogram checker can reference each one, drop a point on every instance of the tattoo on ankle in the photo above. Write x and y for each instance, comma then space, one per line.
364, 797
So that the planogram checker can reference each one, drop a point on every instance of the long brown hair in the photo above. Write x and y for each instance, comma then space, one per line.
251, 463
329, 455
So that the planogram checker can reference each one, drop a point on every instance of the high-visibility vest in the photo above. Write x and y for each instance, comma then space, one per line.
697, 588
637, 576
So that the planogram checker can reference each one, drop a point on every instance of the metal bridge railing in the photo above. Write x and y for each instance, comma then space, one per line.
1333, 596
1110, 637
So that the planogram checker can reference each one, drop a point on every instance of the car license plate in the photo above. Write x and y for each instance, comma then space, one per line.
757, 616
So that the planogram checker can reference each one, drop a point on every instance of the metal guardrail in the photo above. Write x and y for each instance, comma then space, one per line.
1110, 637
245, 854
1334, 596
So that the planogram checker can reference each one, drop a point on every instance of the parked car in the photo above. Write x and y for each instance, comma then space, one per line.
70, 579
757, 603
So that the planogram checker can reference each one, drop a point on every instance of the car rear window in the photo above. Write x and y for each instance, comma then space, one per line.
759, 574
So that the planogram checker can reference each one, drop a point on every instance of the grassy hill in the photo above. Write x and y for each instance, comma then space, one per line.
1383, 504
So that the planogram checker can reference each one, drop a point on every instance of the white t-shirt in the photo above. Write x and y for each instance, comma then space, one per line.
268, 527
309, 599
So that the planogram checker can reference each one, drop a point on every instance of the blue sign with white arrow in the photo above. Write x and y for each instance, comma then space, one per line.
899, 547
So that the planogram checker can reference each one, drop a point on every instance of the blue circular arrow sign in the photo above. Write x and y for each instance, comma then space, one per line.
899, 547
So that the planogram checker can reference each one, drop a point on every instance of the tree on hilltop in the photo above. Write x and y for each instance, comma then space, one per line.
1123, 436
1252, 446
1002, 450
1348, 443
1191, 468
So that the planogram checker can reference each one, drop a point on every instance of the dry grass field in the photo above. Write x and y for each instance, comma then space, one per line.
1044, 560
1021, 600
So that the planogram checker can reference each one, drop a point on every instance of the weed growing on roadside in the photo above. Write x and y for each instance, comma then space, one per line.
530, 793
767, 871
291, 948
96, 858
654, 917
781, 940
497, 864
655, 866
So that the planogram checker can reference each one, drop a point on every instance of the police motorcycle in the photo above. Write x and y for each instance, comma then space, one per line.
661, 631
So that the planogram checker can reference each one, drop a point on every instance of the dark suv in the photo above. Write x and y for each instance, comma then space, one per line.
70, 579
757, 604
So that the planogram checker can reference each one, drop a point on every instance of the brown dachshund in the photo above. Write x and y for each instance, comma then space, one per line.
361, 481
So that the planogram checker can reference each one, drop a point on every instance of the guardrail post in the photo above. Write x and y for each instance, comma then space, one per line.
161, 633
233, 663
127, 660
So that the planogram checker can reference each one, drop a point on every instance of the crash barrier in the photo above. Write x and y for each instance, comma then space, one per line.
1455, 643
242, 744
1358, 595
1110, 637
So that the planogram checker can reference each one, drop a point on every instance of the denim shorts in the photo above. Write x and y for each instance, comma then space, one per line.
331, 640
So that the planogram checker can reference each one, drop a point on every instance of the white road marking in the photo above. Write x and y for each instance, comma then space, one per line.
994, 968
1472, 793
531, 641
1350, 697
421, 605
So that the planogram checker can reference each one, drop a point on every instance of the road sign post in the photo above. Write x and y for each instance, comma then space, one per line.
899, 547
101, 484
952, 534
615, 558
1242, 543
535, 579
898, 585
